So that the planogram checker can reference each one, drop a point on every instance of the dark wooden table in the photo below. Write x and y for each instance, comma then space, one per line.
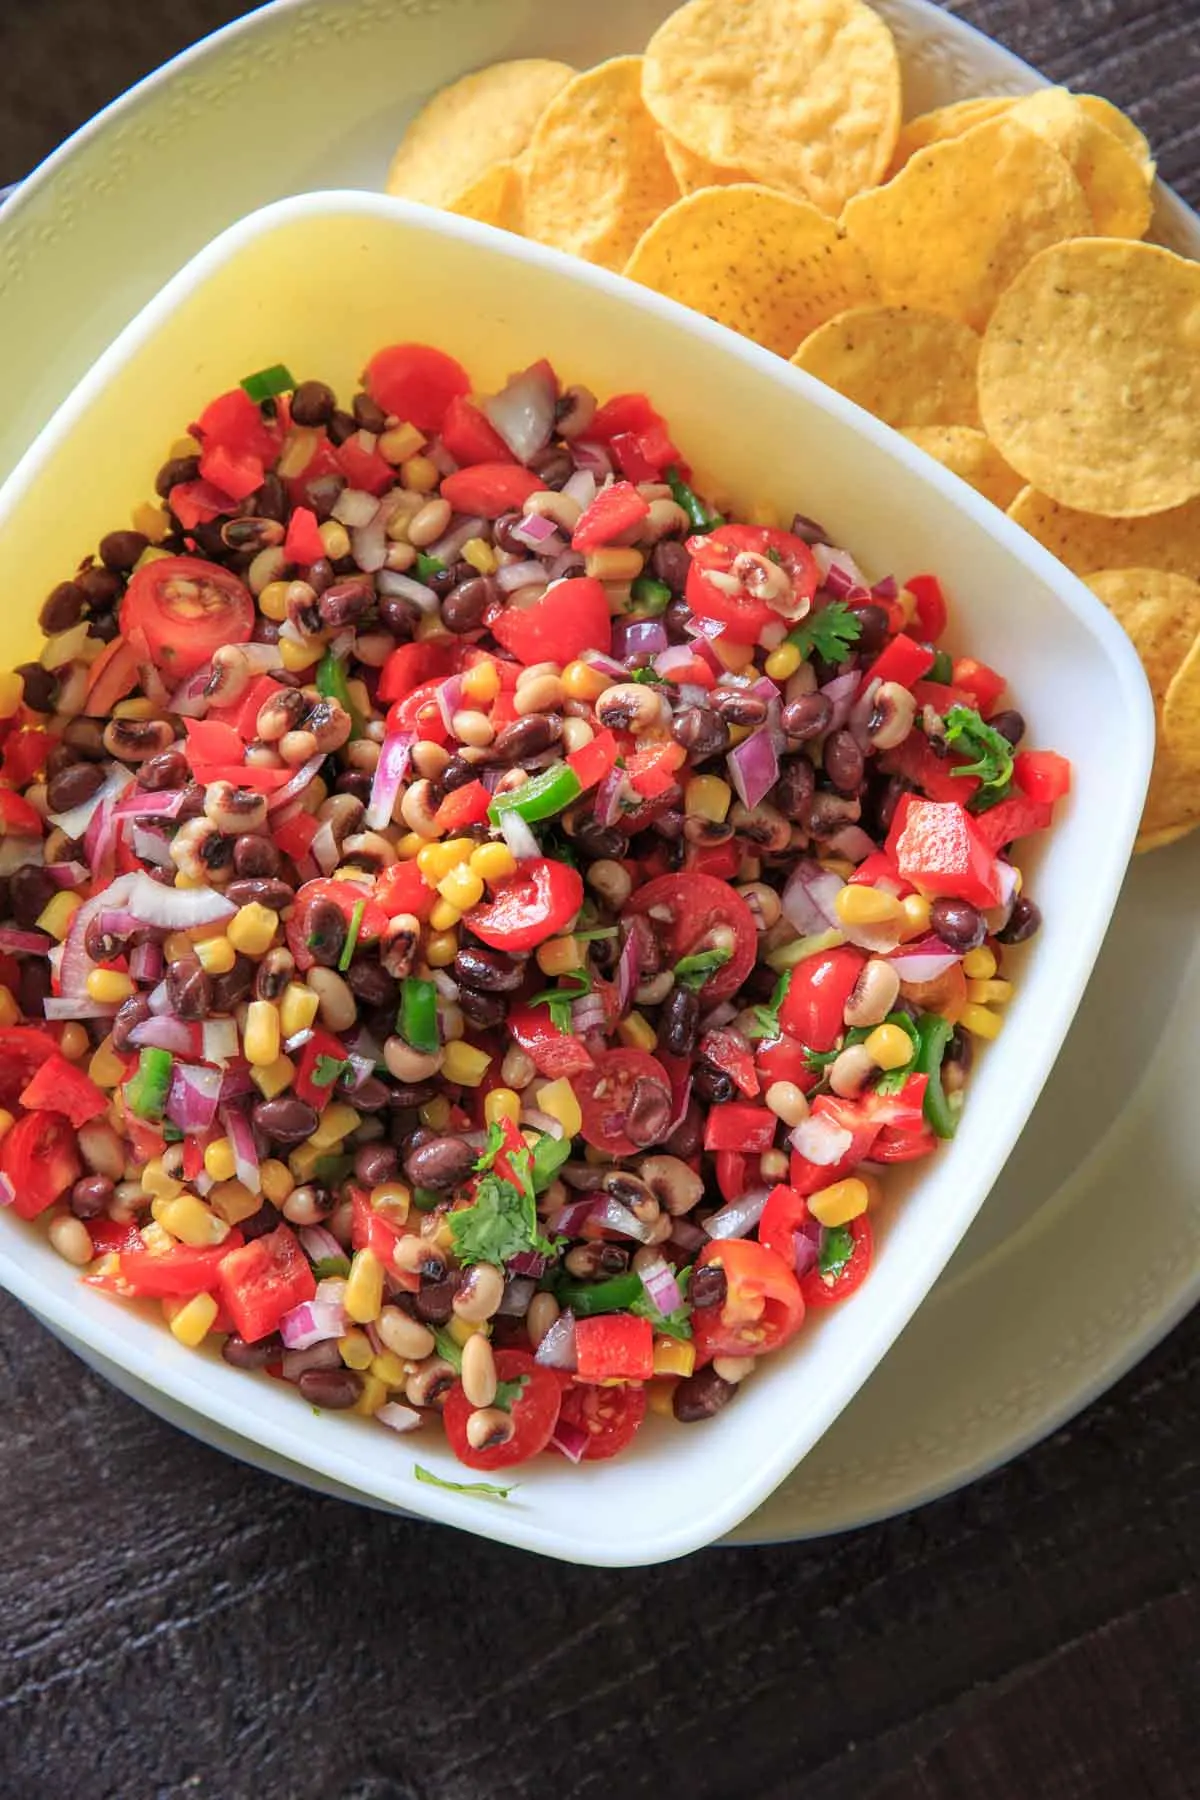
173, 1624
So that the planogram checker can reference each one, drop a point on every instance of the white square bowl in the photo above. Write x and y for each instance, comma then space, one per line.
319, 283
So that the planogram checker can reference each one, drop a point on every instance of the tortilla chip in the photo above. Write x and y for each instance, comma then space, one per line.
1085, 542
942, 123
596, 173
1181, 735
802, 94
1110, 174
760, 262
694, 172
495, 198
972, 455
905, 366
1158, 840
486, 118
1089, 377
1122, 127
964, 217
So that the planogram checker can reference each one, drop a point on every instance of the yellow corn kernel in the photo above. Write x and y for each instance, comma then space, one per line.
275, 1179
444, 917
481, 556
233, 1201
500, 1104
374, 1395
298, 1008
464, 1064
189, 881
296, 657
782, 664
364, 1287
392, 1198
614, 563
889, 1047
908, 605
979, 965
150, 520
156, 1238
10, 1012
708, 797
441, 947
55, 917
273, 601
914, 922
190, 1220
866, 905
558, 1099
187, 446
274, 1078
659, 1398
671, 1357
559, 956
251, 931
389, 1368
7, 1121
462, 1329
355, 1350
419, 475
981, 1022
194, 1320
409, 846
219, 1161
637, 1033
462, 888
337, 1122
494, 862
582, 682
335, 538
109, 986
435, 1113
260, 1036
303, 1160
157, 1182
12, 693
840, 1202
399, 444
734, 657
135, 709
481, 683
152, 553
74, 1043
436, 860
216, 955
990, 993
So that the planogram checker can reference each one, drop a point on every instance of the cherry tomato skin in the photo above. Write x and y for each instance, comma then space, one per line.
783, 1059
818, 1290
186, 609
763, 1305
817, 994
23, 1050
743, 615
604, 1093
610, 1416
416, 382
570, 617
528, 907
39, 1157
491, 488
345, 895
785, 1213
534, 1413
697, 903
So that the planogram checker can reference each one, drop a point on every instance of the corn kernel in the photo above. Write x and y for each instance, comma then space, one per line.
462, 888
494, 862
392, 1198
7, 1121
152, 553
216, 955
190, 1220
444, 917
782, 664
296, 657
184, 447
109, 986
437, 860
260, 1038
252, 929
660, 1398
156, 1238
298, 1006
275, 1078
582, 682
559, 956
106, 1068
614, 563
219, 1160
481, 683
737, 658
389, 1368
151, 521
500, 1104
672, 1357
866, 906
409, 846
355, 1350
400, 443
558, 1099
337, 1122
156, 1181
364, 1287
990, 993
189, 881
55, 917
374, 1395
840, 1202
462, 1329
435, 1113
194, 1320
481, 556
981, 1022
464, 1064
889, 1047
637, 1033
708, 797
335, 538
273, 601
12, 693
979, 965
419, 475
135, 709
10, 1012
914, 920
275, 1179
441, 948
74, 1043
233, 1201
303, 1160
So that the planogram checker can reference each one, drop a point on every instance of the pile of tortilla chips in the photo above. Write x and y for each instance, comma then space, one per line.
975, 276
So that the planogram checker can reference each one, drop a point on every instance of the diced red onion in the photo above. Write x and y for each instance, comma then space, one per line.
361, 1069
518, 835
820, 1140
689, 693
753, 767
15, 942
887, 589
588, 1015
853, 843
245, 1154
593, 458
571, 1440
298, 1040
159, 1000
151, 844
391, 583
523, 411
537, 533
450, 699
317, 1243
740, 1217
539, 1121
641, 637
861, 714
77, 965
150, 806
390, 771
629, 972
724, 1014
440, 457
447, 548
77, 1006
808, 899
515, 576
604, 665
706, 631
658, 1279
528, 1262
840, 693
1007, 876
193, 1096
570, 1219
291, 790
146, 962
805, 1252
614, 1217
312, 1322
581, 488
369, 546
324, 848
609, 794
557, 1348
235, 1083
165, 1034
923, 965
220, 1039
8, 1192
518, 1292
354, 508
67, 874
838, 570
177, 909
680, 1101
397, 1417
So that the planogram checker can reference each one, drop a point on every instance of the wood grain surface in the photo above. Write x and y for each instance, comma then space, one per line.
172, 1624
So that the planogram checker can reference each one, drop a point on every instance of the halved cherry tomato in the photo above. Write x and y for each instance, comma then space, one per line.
570, 617
40, 1159
533, 1408
785, 1213
491, 488
528, 907
416, 382
817, 994
187, 609
58, 1086
609, 1416
470, 437
827, 1290
407, 670
742, 613
697, 904
263, 1280
763, 1305
23, 1050
403, 889
606, 1091
554, 1052
346, 896
932, 615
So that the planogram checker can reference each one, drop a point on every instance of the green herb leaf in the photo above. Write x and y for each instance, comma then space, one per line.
830, 634
268, 384
558, 1000
693, 971
677, 1324
837, 1247
492, 1148
589, 937
327, 1266
993, 754
650, 595
648, 677
509, 1392
447, 1349
478, 1490
816, 1060
766, 1018
500, 1223
326, 1070
348, 948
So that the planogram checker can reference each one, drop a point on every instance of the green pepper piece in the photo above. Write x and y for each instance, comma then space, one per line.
331, 1266
425, 566
935, 1033
146, 1094
268, 384
698, 514
585, 1298
942, 670
649, 595
418, 1021
544, 797
332, 682
549, 1155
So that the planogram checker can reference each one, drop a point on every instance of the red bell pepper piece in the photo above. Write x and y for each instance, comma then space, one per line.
371, 1230
410, 667
652, 771
491, 488
470, 437
261, 1281
593, 762
209, 741
635, 466
111, 1238
303, 543
932, 613
632, 415
59, 1086
614, 1347
721, 860
17, 817
739, 1126
938, 846
903, 661
1014, 818
403, 889
25, 750
237, 474
198, 503
554, 1052
364, 468
568, 619
880, 871
462, 807
614, 510
179, 1273
729, 1052
935, 775
234, 422
1042, 774
321, 1064
984, 684
296, 834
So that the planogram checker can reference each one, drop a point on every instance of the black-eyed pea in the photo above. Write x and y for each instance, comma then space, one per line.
410, 1066
676, 1186
400, 942
282, 713
665, 519
629, 706
541, 695
136, 740
489, 1428
368, 850
430, 1384
560, 508
611, 881
417, 808
479, 1293
874, 994
479, 1370
575, 411
234, 809
404, 1335
329, 723
543, 1310
372, 648
231, 672
762, 825
267, 567
850, 1073
764, 903
337, 1007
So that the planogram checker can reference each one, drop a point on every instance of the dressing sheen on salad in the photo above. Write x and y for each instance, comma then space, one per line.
477, 925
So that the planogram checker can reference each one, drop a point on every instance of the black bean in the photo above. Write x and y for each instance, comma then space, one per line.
90, 1196
72, 786
236, 985
399, 615
530, 736
873, 627
372, 984
688, 1135
256, 858
175, 473
86, 738
33, 988
701, 731
806, 718
346, 602
323, 928
131, 1013
809, 529
356, 782
286, 1120
1009, 724
960, 1049
61, 756
600, 840
261, 888
701, 1395
1024, 920
708, 1286
681, 1021
844, 762
489, 971
38, 687
101, 586
166, 771
242, 1355
464, 606
960, 925
121, 549
189, 988
30, 891
793, 791
376, 1163
504, 540
271, 501
433, 1303
313, 404
62, 608
440, 1164
649, 1113
369, 414
737, 707
341, 425
886, 802
334, 1389
670, 563
711, 1085
371, 1095
458, 773
259, 1224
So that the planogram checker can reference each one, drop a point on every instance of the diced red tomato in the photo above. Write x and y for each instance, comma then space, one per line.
606, 1091
783, 1059
828, 1290
878, 870
570, 617
729, 1052
525, 909
469, 435
111, 1238
17, 817
251, 704
236, 473
785, 1213
903, 661
984, 683
652, 771
720, 861
186, 609
530, 1395
632, 459
593, 762
26, 748
609, 1417
932, 613
1042, 774
234, 422
363, 466
936, 776
554, 1052
303, 543
39, 1157
59, 1086
491, 488
937, 845
416, 382
733, 1174
813, 1006
23, 1050
350, 898
463, 806
763, 1306
211, 742
631, 415
1014, 818
409, 669
403, 889
178, 1273
296, 834
199, 503
743, 614
697, 903
738, 1126
262, 1280
615, 510
614, 1347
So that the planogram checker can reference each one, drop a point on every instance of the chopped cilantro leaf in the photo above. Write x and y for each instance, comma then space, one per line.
427, 566
677, 1324
500, 1223
817, 1060
693, 971
447, 1349
326, 1266
492, 1148
509, 1392
478, 1490
837, 1247
327, 1069
766, 1018
993, 754
648, 677
558, 1000
829, 634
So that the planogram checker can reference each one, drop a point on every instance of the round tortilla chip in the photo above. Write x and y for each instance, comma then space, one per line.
1089, 377
964, 217
1181, 734
972, 455
945, 122
596, 173
1111, 175
1085, 542
758, 261
1158, 840
495, 198
802, 94
694, 172
485, 118
1122, 126
906, 366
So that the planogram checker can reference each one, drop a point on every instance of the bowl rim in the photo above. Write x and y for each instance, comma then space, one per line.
662, 1540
